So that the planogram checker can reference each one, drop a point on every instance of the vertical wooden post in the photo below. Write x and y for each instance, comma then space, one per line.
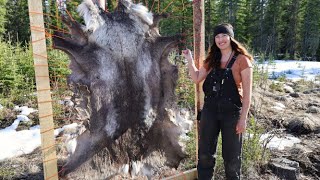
209, 30
43, 90
199, 51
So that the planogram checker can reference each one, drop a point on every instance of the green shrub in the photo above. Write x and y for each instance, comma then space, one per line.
261, 70
276, 87
191, 148
58, 68
260, 75
253, 153
185, 89
17, 82
7, 172
17, 77
282, 78
58, 71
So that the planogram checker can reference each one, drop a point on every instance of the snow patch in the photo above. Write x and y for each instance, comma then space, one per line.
24, 110
23, 118
293, 69
15, 143
276, 143
278, 106
288, 89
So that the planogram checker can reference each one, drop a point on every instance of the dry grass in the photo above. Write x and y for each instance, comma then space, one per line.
23, 167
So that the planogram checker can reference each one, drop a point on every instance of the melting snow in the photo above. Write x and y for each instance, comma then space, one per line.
15, 143
278, 106
24, 110
274, 142
293, 69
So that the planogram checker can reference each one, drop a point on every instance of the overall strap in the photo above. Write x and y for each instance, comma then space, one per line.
232, 60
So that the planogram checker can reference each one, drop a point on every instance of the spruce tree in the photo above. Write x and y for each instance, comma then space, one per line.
290, 22
2, 16
17, 22
273, 27
256, 26
310, 29
242, 22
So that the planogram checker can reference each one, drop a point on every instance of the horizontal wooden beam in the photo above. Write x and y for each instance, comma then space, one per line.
186, 175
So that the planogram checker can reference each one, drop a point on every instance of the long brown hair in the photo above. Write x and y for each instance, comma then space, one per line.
213, 59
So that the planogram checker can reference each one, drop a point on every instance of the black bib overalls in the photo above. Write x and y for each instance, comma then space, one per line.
220, 112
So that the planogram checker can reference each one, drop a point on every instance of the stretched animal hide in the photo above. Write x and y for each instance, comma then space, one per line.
121, 73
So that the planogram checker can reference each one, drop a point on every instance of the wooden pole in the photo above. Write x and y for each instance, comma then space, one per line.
48, 145
199, 52
187, 175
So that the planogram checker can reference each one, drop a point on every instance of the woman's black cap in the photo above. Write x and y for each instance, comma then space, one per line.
224, 28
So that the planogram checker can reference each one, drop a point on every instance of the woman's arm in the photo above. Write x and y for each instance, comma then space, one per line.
196, 75
246, 76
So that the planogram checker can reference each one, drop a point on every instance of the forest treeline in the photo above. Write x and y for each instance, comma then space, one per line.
286, 29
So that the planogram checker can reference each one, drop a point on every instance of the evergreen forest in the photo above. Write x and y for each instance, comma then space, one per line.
286, 29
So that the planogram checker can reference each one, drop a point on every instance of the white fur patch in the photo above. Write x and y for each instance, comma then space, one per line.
181, 119
139, 10
143, 13
71, 144
150, 118
144, 67
124, 169
112, 124
136, 167
90, 14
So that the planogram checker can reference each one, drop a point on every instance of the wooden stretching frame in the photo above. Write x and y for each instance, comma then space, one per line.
48, 144
186, 175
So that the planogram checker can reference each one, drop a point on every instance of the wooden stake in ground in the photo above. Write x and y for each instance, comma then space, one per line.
187, 175
48, 145
199, 51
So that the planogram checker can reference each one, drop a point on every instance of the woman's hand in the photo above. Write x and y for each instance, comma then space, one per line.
241, 126
197, 75
187, 54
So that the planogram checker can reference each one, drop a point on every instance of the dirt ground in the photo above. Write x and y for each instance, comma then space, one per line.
291, 108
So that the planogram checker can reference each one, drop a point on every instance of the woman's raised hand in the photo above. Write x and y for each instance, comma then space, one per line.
187, 54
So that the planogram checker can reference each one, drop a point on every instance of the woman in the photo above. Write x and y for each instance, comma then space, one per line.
227, 72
